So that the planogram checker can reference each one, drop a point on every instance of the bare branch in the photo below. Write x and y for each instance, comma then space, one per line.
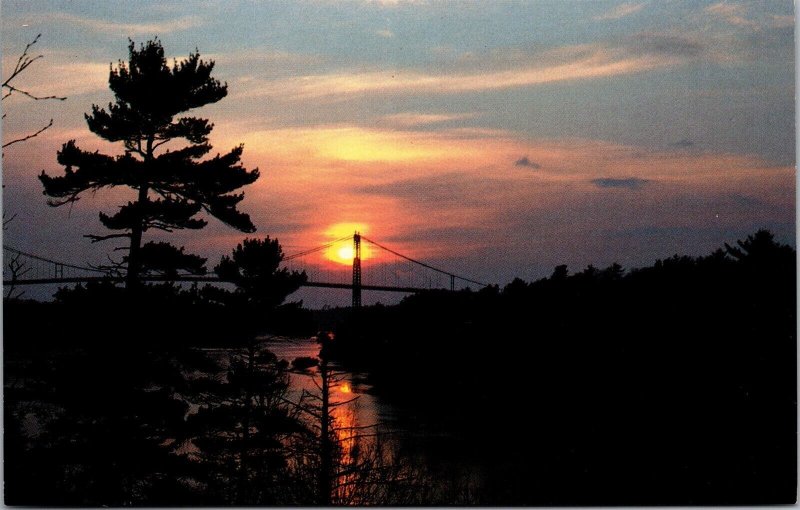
337, 404
28, 137
8, 220
17, 269
23, 62
12, 89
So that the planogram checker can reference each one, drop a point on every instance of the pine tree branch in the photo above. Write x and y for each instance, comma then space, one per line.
97, 238
159, 144
72, 198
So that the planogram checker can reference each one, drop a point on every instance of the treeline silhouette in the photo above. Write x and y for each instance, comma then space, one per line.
161, 395
668, 384
110, 400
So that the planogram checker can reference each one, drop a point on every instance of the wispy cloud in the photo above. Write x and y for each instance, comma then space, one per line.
263, 56
660, 43
781, 21
627, 183
385, 33
131, 29
410, 119
395, 3
735, 14
619, 11
577, 63
74, 77
343, 143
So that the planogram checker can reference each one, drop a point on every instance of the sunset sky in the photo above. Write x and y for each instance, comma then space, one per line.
495, 139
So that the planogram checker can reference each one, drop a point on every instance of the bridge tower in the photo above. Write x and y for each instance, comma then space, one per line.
356, 270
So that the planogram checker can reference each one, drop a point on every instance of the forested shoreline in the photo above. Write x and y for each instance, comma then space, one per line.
667, 384
670, 384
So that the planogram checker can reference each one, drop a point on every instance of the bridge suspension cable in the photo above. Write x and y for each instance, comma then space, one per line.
50, 261
423, 264
314, 250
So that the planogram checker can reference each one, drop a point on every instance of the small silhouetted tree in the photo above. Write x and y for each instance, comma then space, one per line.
761, 249
344, 463
254, 267
242, 429
560, 273
172, 186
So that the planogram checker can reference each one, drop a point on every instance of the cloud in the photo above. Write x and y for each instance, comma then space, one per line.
781, 21
620, 11
456, 189
263, 57
409, 119
330, 144
386, 33
74, 77
747, 201
665, 44
449, 235
434, 190
731, 13
628, 182
395, 3
683, 143
524, 161
567, 64
130, 29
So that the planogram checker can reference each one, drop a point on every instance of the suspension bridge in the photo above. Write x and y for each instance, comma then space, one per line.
375, 267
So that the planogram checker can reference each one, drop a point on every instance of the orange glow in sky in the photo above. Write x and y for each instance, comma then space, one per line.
362, 145
342, 252
485, 155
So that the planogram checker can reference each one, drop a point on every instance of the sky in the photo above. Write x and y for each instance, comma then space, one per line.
494, 139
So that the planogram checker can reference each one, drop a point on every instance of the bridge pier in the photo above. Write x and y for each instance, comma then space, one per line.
356, 270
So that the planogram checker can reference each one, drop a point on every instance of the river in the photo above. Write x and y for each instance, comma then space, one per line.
363, 412
360, 406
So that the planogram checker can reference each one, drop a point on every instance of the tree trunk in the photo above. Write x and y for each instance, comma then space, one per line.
134, 257
325, 441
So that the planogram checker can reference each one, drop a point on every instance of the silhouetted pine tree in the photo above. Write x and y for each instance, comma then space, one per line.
241, 432
254, 268
172, 186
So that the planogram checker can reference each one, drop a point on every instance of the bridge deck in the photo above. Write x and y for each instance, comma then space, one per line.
201, 279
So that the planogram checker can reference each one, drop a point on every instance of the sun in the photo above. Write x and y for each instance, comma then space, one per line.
345, 253
342, 251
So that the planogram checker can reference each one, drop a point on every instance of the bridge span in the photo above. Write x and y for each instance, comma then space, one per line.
22, 268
